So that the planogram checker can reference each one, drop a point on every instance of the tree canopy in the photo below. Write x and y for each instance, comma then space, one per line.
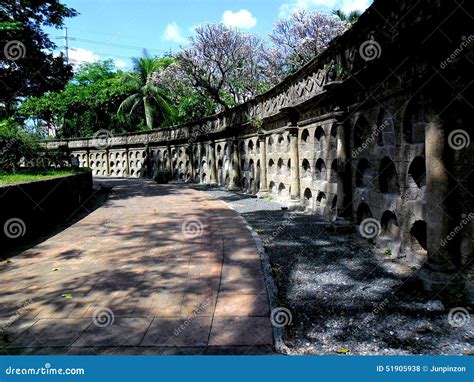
27, 65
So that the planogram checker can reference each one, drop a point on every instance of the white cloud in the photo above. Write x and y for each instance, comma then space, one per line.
78, 56
348, 6
286, 9
120, 64
241, 19
173, 33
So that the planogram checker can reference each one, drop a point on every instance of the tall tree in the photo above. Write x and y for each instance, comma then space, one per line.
148, 96
223, 63
27, 65
301, 37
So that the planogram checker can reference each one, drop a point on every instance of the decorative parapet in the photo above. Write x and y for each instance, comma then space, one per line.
369, 40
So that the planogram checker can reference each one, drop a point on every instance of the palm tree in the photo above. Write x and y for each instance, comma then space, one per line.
351, 17
148, 97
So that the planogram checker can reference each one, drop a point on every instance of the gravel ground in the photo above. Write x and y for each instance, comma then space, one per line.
343, 298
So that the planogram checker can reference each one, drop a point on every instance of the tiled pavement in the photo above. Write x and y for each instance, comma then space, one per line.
158, 269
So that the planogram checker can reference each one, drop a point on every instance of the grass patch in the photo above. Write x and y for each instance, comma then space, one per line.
34, 175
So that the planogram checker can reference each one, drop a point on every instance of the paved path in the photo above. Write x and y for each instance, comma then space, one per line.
158, 269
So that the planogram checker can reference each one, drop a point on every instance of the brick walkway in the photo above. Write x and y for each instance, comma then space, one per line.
155, 270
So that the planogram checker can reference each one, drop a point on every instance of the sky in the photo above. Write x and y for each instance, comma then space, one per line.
121, 29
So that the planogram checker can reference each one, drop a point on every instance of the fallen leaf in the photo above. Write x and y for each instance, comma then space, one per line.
67, 295
342, 351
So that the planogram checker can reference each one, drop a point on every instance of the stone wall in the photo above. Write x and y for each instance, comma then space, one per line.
28, 209
363, 131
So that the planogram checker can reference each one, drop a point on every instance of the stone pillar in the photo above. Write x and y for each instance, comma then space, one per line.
191, 155
262, 140
212, 147
107, 161
170, 160
437, 271
235, 173
295, 163
88, 162
127, 162
341, 166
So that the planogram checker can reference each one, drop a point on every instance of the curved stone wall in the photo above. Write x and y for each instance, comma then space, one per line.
361, 132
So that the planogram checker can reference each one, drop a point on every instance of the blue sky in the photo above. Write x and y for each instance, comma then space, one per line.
120, 29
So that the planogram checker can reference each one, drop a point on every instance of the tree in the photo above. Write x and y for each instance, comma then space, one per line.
300, 38
150, 96
223, 64
27, 65
190, 104
350, 18
88, 103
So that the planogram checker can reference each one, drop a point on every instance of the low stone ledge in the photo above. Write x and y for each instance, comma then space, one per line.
28, 208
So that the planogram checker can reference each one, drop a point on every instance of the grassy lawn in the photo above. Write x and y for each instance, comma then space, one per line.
30, 175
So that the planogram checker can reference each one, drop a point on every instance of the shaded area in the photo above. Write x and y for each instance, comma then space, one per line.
343, 296
158, 267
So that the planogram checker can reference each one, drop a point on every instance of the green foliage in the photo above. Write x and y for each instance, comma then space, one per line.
18, 147
36, 174
28, 68
87, 104
149, 99
387, 252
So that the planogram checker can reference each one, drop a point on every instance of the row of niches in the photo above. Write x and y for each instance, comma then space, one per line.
385, 178
389, 234
406, 126
319, 199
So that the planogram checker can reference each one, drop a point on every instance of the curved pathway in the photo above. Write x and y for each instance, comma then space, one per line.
158, 269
